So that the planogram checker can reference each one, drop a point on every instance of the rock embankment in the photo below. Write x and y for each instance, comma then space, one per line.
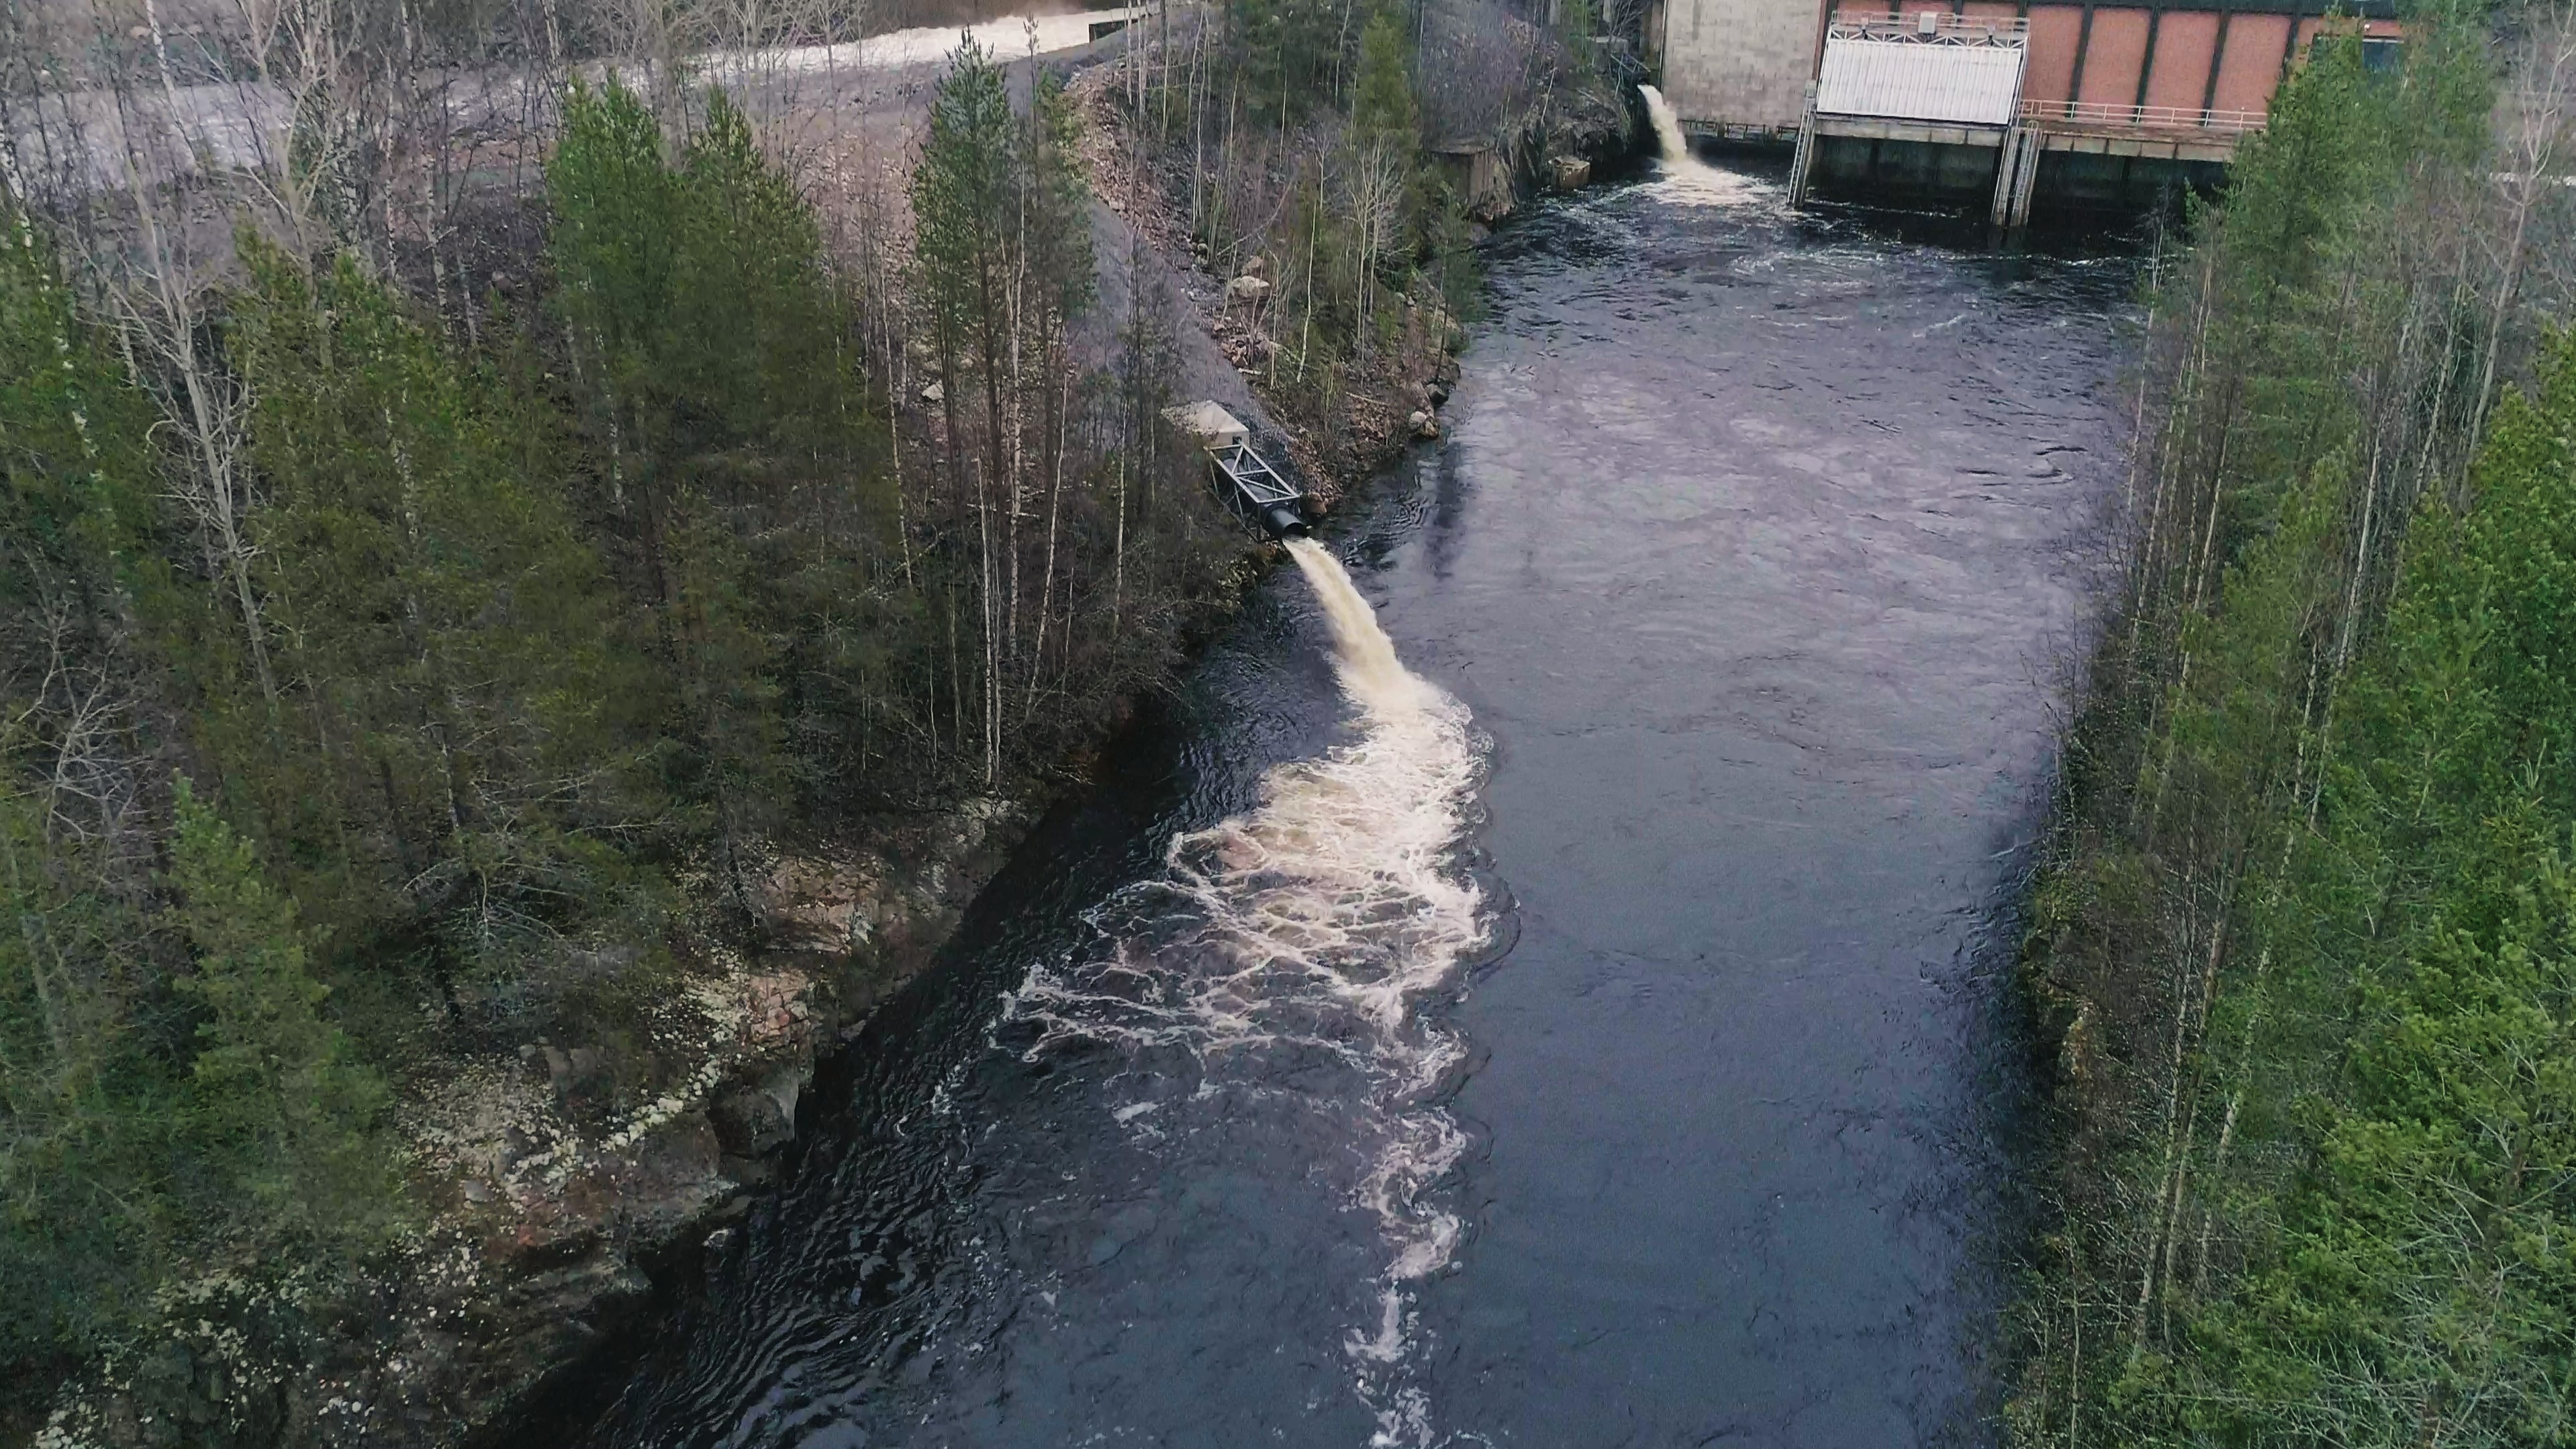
549, 1215
564, 1204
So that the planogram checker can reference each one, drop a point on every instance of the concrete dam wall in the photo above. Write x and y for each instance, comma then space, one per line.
2025, 104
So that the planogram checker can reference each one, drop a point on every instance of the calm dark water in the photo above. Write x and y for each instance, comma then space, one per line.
1607, 1048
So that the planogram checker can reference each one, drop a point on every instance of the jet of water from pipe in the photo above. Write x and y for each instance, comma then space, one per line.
1688, 179
1308, 929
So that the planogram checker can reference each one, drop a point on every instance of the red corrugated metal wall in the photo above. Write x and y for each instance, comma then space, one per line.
2049, 75
2116, 53
2185, 40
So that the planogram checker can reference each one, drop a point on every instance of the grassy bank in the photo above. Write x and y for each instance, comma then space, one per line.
2304, 942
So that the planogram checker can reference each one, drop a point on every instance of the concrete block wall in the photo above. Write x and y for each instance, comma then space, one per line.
1740, 62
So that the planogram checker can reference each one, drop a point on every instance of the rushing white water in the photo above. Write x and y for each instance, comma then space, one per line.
1310, 927
1688, 179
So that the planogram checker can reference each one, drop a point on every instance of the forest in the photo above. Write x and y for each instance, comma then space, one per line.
2302, 943
487, 483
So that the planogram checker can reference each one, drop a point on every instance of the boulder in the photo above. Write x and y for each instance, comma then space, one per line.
579, 1077
1248, 290
1569, 172
1433, 324
1255, 266
1424, 425
750, 1123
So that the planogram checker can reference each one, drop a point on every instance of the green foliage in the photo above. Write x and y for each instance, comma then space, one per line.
84, 1108
746, 503
1383, 112
567, 634
962, 192
84, 1111
2305, 937
451, 767
1059, 219
171, 1090
1002, 268
1292, 55
2295, 261
2427, 1263
758, 326
613, 246
996, 196
1578, 25
279, 1107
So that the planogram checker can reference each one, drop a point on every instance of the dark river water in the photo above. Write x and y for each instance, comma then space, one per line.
1596, 1036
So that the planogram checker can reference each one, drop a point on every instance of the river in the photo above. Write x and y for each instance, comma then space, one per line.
1595, 1034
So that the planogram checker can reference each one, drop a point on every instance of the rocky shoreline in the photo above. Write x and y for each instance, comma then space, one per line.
556, 1232
551, 1229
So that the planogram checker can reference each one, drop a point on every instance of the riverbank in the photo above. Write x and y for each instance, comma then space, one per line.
2302, 940
1748, 840
1344, 382
560, 1211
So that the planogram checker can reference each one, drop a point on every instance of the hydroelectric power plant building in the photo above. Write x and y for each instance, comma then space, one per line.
2024, 103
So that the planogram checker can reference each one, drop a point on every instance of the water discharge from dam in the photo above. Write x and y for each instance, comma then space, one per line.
1539, 980
1687, 179
1300, 934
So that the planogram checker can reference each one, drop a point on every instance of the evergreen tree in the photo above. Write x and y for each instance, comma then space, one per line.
83, 1103
752, 487
2423, 1269
780, 608
1383, 112
1003, 265
284, 1111
1290, 55
964, 190
759, 327
456, 760
2306, 939
615, 257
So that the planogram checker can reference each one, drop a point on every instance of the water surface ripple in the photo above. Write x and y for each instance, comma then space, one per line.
1734, 605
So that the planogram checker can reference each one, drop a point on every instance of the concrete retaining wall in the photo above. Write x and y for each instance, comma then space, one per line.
1740, 63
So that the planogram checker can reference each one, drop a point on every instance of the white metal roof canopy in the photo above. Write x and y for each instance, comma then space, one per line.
1973, 85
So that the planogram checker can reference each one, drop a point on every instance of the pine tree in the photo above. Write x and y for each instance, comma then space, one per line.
1292, 54
963, 194
615, 258
284, 1112
2422, 1270
83, 1103
456, 752
1384, 114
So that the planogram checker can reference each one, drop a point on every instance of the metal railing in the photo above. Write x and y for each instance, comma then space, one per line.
1931, 28
2145, 118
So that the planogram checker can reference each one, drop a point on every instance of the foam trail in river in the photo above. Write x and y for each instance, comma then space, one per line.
1306, 930
1687, 179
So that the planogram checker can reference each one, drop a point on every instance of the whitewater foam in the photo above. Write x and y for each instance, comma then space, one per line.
1312, 925
1687, 180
